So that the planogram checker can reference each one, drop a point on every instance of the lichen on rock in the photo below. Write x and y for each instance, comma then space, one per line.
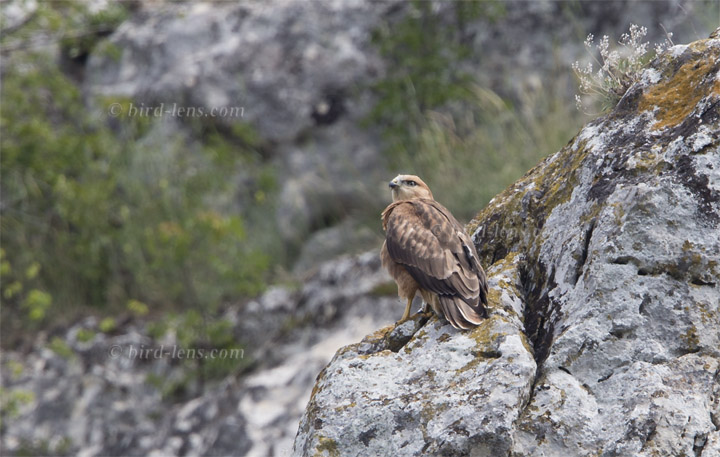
603, 333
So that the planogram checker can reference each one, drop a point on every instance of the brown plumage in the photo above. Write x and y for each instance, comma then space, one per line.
426, 250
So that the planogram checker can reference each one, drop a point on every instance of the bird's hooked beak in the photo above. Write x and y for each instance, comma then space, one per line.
394, 189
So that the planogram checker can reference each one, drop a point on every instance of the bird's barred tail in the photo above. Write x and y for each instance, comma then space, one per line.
460, 314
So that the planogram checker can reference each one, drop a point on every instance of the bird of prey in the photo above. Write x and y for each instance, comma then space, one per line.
427, 250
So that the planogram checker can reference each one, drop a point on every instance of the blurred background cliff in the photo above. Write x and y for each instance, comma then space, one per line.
208, 175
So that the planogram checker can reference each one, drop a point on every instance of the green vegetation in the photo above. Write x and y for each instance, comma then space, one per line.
99, 219
112, 215
423, 77
84, 335
466, 141
107, 325
61, 348
500, 145
59, 447
12, 402
71, 24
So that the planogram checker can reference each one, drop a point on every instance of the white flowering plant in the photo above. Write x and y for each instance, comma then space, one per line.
618, 68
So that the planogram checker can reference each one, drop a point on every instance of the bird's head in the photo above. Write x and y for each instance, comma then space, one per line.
408, 187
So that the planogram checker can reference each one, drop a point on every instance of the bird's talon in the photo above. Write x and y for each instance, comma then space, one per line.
427, 314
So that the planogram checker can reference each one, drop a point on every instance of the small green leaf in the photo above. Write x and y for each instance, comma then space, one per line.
107, 325
137, 307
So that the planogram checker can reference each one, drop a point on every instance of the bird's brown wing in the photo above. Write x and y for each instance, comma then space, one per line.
424, 237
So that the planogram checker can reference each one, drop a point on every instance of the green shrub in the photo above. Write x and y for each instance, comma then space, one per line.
11, 401
95, 213
61, 348
85, 334
423, 75
107, 325
467, 161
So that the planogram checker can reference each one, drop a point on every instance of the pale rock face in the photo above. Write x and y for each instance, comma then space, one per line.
259, 55
407, 390
604, 335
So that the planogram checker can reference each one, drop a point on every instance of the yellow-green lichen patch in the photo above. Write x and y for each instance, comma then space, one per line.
494, 295
421, 334
383, 353
559, 177
483, 334
342, 408
414, 342
487, 340
687, 246
378, 339
618, 212
506, 265
691, 339
379, 335
675, 98
327, 445
506, 285
317, 387
707, 316
431, 410
526, 344
506, 271
407, 349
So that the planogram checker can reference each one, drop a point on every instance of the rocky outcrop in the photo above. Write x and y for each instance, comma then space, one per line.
605, 303
95, 397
